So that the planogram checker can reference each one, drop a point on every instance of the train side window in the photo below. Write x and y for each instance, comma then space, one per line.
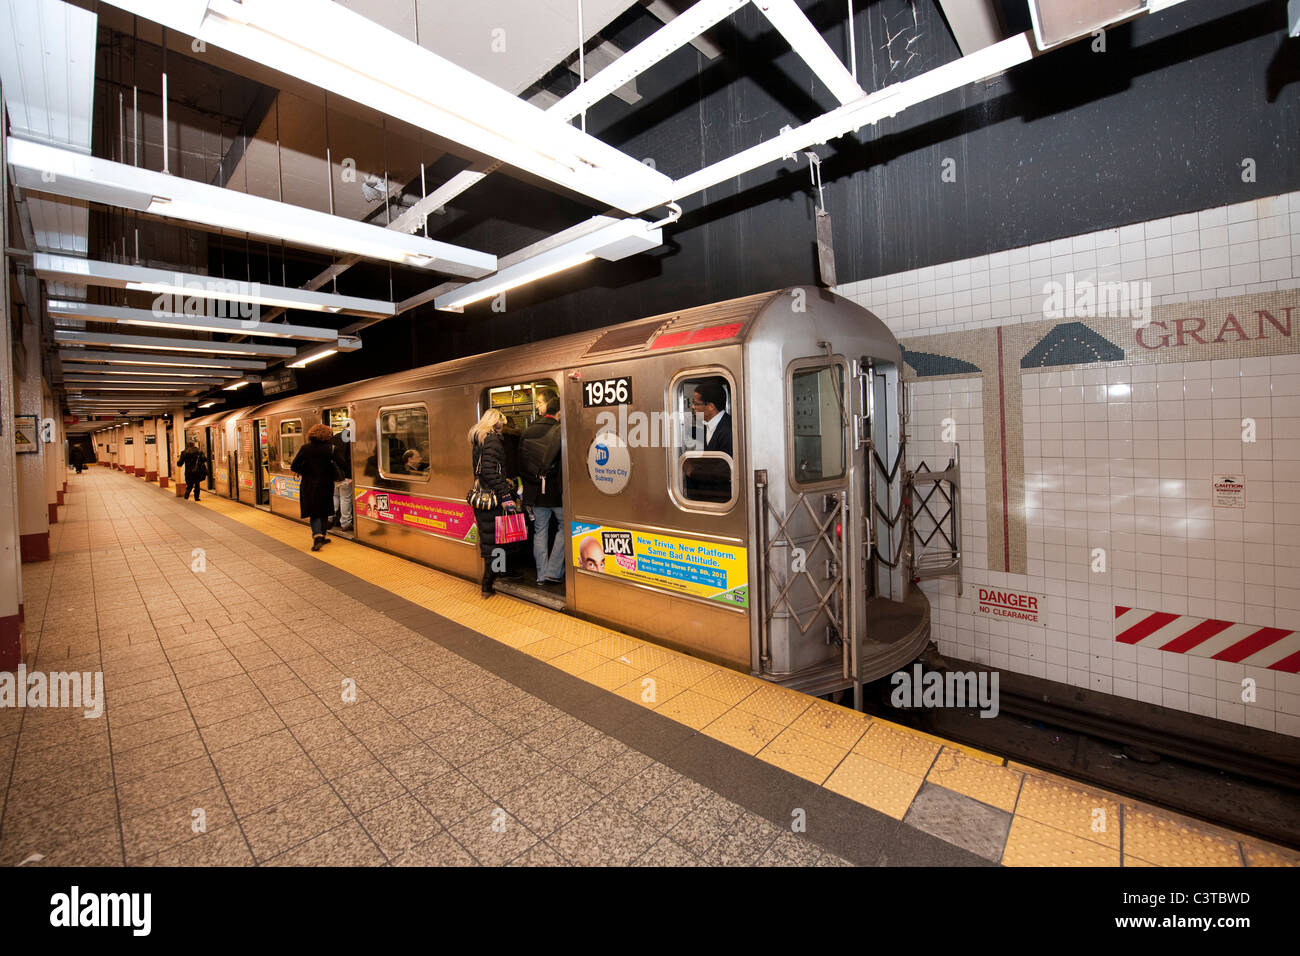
404, 442
703, 455
817, 423
290, 439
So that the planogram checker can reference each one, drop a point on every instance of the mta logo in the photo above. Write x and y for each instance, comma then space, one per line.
602, 454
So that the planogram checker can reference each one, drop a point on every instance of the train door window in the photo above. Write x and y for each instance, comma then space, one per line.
338, 420
818, 421
404, 442
518, 403
290, 440
703, 463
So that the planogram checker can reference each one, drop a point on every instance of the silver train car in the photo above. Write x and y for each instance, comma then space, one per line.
790, 562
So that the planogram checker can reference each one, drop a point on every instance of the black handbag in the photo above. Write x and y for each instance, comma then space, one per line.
481, 498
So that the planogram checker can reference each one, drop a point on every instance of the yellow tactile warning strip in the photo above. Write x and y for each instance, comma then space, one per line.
1053, 821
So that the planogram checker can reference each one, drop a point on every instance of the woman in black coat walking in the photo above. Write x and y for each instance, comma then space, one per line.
314, 464
489, 458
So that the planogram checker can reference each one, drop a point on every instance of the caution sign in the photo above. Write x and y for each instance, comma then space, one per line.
25, 436
1021, 606
1229, 491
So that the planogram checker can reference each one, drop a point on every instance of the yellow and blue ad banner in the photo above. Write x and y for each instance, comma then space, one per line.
703, 569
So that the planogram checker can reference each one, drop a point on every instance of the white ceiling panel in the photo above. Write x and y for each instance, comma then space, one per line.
60, 225
47, 65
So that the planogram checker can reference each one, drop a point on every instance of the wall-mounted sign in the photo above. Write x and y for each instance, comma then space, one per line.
608, 463
1229, 491
1022, 606
130, 441
25, 437
703, 569
151, 439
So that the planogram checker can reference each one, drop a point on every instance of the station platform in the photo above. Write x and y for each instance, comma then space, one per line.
269, 705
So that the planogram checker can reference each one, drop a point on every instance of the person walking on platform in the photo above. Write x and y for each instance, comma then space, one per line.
76, 458
314, 464
489, 459
196, 468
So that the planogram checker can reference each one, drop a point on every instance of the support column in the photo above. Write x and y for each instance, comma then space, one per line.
178, 434
164, 452
50, 454
12, 644
33, 513
150, 449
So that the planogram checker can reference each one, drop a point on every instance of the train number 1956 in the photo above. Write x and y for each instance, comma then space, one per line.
609, 391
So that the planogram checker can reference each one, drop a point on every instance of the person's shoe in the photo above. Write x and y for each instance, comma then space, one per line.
327, 539
317, 541
488, 593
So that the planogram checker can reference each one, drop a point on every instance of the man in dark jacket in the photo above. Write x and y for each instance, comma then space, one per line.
196, 468
539, 465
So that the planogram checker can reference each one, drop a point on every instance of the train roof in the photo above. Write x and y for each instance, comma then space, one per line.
705, 326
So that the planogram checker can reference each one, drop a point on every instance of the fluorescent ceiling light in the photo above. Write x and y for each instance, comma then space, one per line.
620, 239
191, 383
235, 386
157, 358
180, 286
311, 355
65, 173
329, 46
207, 404
91, 312
112, 340
148, 371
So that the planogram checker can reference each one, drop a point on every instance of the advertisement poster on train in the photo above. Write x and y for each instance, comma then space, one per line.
452, 519
285, 487
704, 569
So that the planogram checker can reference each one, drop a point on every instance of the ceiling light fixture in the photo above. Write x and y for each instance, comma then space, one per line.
111, 340
180, 287
620, 239
47, 169
93, 312
160, 359
329, 46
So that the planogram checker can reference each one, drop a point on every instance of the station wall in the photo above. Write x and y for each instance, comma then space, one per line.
1091, 443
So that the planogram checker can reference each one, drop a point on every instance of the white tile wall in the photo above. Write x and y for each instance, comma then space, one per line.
1231, 250
1120, 458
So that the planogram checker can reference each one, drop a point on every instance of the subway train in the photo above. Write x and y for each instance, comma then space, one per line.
792, 562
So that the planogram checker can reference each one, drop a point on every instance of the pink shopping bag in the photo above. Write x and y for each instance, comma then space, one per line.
510, 527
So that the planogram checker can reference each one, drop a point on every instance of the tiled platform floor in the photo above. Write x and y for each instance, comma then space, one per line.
228, 651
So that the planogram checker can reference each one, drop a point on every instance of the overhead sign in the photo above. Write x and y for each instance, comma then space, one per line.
1229, 491
702, 569
281, 380
1022, 606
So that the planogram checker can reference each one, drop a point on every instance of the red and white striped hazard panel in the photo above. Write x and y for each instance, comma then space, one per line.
1275, 648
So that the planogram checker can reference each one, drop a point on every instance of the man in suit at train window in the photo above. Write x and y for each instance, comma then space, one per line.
539, 466
709, 479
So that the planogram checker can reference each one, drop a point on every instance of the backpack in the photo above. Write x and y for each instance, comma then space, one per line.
539, 453
200, 467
